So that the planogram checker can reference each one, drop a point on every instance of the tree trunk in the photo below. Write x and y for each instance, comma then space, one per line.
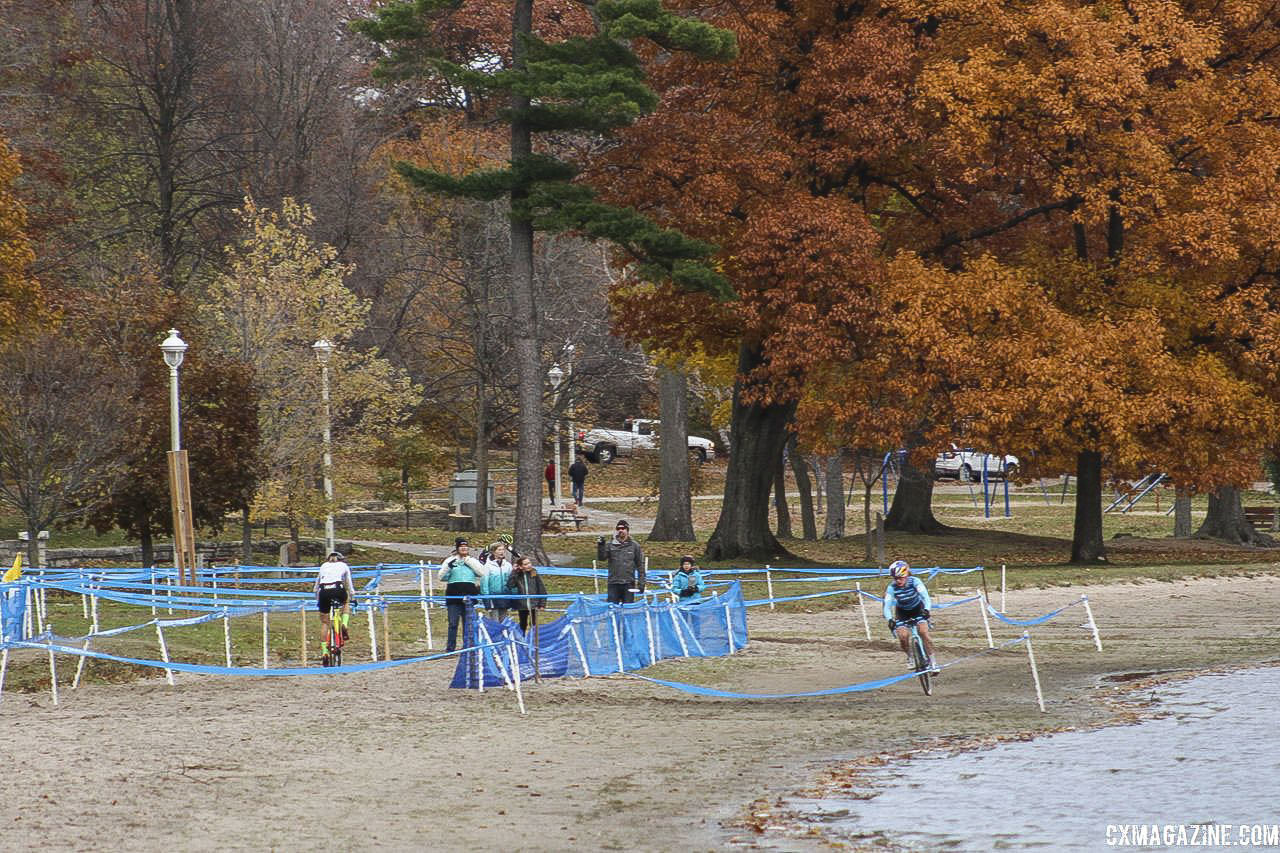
820, 493
246, 539
780, 509
834, 528
524, 318
1182, 514
1086, 537
675, 507
800, 468
480, 513
866, 519
912, 507
33, 544
758, 433
1225, 520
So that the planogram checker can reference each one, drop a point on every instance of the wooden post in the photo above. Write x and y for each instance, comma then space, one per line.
595, 577
302, 628
75, 683
1003, 608
184, 546
986, 623
226, 634
768, 580
537, 657
53, 670
1093, 626
264, 639
515, 667
373, 633
164, 653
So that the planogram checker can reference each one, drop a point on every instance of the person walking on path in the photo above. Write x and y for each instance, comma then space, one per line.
626, 564
578, 478
461, 573
550, 474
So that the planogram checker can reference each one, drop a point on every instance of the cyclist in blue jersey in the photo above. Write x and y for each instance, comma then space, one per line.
907, 598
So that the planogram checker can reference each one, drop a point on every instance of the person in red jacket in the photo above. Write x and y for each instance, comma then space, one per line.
550, 474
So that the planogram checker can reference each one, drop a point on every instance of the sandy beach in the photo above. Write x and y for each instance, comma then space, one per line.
396, 760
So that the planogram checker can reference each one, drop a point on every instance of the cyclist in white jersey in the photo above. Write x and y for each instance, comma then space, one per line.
334, 587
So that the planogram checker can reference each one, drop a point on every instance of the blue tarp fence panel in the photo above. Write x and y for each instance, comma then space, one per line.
596, 638
13, 605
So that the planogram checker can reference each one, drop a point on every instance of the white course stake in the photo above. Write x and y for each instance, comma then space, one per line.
675, 623
1035, 675
768, 581
164, 652
1093, 626
80, 665
648, 626
986, 623
595, 578
264, 639
617, 640
577, 641
4, 667
53, 670
728, 623
152, 591
93, 606
862, 606
515, 667
1002, 588
431, 589
84, 599
226, 634
373, 634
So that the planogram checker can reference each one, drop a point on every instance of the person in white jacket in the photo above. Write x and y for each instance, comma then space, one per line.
461, 574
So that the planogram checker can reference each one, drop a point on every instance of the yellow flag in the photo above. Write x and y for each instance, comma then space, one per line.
16, 572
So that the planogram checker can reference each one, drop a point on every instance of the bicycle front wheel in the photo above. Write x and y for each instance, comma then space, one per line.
922, 665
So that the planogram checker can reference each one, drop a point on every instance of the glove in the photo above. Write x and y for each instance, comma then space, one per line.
688, 591
892, 625
926, 614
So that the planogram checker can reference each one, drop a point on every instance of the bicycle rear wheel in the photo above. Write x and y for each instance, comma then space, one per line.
922, 664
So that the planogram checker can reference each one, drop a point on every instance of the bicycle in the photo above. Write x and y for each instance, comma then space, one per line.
919, 658
335, 637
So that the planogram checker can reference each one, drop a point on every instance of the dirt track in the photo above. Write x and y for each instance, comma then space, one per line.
396, 760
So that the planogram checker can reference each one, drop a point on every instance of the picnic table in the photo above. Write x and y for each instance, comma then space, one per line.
560, 515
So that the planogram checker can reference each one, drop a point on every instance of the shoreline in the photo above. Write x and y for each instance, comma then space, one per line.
600, 763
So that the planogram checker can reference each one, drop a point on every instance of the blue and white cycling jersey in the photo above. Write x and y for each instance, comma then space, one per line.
910, 596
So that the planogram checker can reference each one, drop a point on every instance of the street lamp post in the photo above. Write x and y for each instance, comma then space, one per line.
184, 545
175, 349
571, 452
556, 375
323, 349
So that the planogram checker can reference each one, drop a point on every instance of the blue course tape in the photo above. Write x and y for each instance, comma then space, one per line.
201, 669
1023, 623
725, 694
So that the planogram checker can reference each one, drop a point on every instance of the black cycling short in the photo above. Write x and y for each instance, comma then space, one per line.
331, 595
901, 615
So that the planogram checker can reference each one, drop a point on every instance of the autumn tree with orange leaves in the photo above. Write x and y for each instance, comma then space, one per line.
1058, 217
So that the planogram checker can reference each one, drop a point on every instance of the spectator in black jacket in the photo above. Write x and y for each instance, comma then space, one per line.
626, 564
578, 478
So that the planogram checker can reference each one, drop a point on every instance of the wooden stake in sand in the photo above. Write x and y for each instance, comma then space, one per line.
53, 670
4, 667
302, 629
577, 642
264, 639
675, 623
728, 624
617, 639
768, 581
80, 665
595, 578
1002, 589
1035, 674
862, 605
386, 629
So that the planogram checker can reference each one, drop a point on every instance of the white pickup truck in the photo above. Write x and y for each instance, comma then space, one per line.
605, 445
966, 464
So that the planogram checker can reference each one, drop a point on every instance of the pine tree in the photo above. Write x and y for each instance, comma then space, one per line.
586, 82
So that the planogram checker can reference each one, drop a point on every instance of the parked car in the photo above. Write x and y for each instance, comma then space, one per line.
605, 445
965, 464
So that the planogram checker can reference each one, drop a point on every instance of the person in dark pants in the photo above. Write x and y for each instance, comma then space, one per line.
461, 574
550, 474
626, 564
525, 582
578, 478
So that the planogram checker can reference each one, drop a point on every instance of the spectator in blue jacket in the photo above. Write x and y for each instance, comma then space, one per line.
688, 584
494, 586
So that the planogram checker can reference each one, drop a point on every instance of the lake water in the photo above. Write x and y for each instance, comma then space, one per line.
1212, 761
